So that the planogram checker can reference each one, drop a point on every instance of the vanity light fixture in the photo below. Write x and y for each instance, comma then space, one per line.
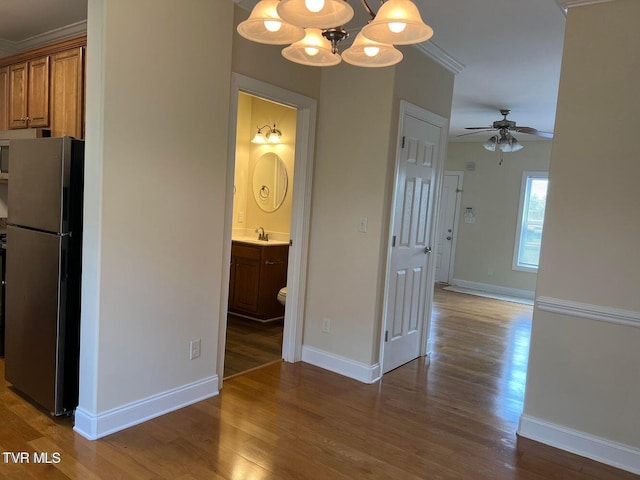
271, 136
322, 25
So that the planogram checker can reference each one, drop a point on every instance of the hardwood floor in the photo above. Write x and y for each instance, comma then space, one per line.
251, 344
452, 419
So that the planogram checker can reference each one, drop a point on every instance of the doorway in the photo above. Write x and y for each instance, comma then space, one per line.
300, 197
420, 159
447, 225
261, 230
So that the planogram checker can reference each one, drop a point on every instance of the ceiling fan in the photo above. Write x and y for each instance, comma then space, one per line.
504, 140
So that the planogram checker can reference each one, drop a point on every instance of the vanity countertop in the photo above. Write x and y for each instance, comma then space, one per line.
255, 241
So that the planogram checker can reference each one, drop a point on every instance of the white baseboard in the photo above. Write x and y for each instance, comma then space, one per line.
341, 365
92, 426
500, 290
583, 444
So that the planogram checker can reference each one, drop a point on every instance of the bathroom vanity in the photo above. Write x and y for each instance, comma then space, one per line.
258, 272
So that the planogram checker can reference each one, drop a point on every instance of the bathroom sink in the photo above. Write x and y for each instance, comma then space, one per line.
255, 241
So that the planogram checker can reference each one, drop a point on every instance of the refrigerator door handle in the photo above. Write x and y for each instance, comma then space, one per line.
65, 204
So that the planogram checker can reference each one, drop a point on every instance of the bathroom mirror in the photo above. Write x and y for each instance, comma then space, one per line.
269, 182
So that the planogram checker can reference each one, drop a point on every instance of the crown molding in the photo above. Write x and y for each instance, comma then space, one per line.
567, 4
8, 48
436, 53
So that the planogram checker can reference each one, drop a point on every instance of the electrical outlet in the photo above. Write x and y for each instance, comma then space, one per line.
326, 325
194, 349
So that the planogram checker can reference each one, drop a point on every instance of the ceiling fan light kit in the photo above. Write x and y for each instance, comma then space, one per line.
301, 22
504, 140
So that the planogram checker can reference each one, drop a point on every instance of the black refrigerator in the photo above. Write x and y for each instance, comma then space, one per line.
43, 270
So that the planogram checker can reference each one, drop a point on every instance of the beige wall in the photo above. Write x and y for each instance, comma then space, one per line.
583, 374
484, 249
423, 82
353, 178
349, 182
156, 170
244, 129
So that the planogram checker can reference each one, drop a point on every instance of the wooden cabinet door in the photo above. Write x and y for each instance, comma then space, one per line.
4, 98
38, 93
67, 93
273, 276
246, 290
18, 92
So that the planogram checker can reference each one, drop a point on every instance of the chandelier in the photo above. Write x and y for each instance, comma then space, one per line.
314, 28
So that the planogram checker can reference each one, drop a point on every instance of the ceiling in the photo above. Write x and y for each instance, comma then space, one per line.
507, 52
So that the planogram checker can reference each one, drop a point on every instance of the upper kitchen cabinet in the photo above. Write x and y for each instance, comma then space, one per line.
45, 88
4, 98
29, 92
67, 93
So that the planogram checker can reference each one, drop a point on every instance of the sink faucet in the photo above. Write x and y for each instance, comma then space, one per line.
261, 235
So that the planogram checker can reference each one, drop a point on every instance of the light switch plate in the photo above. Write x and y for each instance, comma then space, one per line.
362, 227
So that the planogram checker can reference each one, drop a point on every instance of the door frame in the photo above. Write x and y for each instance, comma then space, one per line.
300, 211
409, 109
456, 218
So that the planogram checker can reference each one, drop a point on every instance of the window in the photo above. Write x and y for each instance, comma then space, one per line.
533, 198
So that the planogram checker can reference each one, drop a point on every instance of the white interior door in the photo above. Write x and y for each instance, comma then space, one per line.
410, 270
447, 223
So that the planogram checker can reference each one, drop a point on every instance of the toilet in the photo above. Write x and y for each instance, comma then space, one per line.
282, 295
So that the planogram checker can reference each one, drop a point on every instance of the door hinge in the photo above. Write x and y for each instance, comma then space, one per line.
386, 335
459, 190
402, 142
393, 241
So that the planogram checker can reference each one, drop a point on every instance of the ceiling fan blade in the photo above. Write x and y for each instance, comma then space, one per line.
476, 128
533, 131
480, 131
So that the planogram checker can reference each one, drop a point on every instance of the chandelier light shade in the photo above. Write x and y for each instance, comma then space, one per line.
398, 22
315, 13
367, 53
313, 50
265, 26
315, 28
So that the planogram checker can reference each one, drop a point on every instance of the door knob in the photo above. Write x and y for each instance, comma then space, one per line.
448, 238
427, 249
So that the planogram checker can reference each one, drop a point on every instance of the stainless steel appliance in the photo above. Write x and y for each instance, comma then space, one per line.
43, 270
2, 299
